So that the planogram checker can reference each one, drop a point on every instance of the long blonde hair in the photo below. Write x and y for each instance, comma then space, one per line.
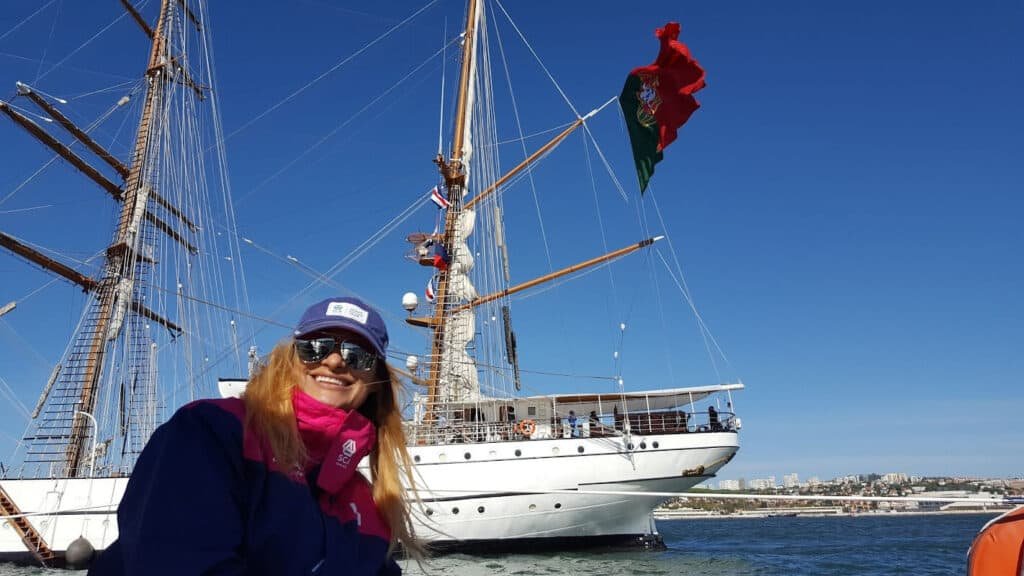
269, 411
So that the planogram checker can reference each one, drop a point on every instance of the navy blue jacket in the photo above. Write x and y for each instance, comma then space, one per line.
206, 498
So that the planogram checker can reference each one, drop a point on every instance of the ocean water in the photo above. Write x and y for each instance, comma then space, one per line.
869, 545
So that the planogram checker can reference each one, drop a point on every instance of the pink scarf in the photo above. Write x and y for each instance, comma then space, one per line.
318, 424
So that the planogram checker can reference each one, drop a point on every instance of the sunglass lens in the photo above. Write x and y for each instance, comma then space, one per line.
314, 350
358, 358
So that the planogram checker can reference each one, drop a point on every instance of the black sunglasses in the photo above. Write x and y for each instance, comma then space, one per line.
313, 350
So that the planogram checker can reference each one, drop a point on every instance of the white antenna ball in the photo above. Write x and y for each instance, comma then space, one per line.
410, 301
412, 362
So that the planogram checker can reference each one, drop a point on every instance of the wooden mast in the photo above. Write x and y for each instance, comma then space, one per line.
454, 173
117, 265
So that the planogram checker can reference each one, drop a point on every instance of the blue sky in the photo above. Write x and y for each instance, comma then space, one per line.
846, 204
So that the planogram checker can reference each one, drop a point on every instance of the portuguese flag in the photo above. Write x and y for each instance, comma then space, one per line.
658, 99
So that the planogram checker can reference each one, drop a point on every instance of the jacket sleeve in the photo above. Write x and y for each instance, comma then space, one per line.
183, 510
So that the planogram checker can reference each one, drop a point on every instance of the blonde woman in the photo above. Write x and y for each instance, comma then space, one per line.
268, 484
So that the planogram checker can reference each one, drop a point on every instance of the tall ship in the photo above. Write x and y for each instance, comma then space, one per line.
501, 462
500, 468
163, 298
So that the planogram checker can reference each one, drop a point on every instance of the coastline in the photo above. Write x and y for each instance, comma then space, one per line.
792, 513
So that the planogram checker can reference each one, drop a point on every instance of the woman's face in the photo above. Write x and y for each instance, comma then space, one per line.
331, 381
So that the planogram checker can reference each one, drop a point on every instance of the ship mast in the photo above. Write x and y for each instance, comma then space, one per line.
454, 173
113, 295
452, 301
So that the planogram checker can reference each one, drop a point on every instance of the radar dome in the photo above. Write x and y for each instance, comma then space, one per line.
410, 301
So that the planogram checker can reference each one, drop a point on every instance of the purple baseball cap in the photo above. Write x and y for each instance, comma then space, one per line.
345, 313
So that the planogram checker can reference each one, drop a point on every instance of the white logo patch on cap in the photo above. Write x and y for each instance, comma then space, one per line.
347, 310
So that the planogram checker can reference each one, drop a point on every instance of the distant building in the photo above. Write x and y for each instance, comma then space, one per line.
790, 480
728, 485
763, 483
813, 481
895, 478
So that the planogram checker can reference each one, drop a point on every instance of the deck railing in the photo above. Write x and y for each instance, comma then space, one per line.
458, 431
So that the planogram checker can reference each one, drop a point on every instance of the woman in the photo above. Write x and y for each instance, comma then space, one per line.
267, 484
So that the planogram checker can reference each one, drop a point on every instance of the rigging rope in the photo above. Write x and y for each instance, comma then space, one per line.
558, 128
86, 43
26, 19
345, 123
12, 398
49, 40
526, 154
537, 57
337, 65
680, 281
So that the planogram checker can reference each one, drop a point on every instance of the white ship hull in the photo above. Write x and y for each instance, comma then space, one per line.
543, 493
493, 498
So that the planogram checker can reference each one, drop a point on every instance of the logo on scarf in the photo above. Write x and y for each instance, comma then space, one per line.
347, 450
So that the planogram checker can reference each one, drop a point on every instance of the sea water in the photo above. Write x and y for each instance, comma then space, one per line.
922, 545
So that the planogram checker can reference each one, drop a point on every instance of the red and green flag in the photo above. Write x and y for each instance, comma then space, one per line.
658, 99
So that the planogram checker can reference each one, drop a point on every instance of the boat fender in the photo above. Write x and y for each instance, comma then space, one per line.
79, 554
527, 427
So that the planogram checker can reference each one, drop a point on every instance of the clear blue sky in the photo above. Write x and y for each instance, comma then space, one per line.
846, 205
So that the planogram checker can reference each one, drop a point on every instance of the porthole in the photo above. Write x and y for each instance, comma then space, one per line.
533, 507
430, 511
480, 509
492, 454
519, 452
579, 449
555, 450
416, 458
643, 445
629, 446
442, 457
558, 505
655, 444
455, 510
467, 455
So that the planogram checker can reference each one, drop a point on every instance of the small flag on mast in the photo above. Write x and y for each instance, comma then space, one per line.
430, 289
438, 197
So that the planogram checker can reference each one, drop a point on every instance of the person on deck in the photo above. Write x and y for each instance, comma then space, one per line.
267, 484
573, 422
713, 419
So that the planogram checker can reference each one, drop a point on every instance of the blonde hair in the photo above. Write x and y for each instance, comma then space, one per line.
269, 411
